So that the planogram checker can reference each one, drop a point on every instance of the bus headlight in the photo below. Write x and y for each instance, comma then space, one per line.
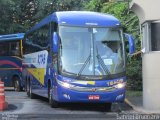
65, 84
120, 85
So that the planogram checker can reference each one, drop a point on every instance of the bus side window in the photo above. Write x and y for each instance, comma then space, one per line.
3, 49
15, 49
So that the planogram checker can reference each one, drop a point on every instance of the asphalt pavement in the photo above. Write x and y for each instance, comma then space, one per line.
21, 107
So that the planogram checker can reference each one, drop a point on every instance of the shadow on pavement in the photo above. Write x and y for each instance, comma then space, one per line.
11, 107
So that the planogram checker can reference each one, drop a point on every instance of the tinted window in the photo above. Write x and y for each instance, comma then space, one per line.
155, 36
38, 40
10, 48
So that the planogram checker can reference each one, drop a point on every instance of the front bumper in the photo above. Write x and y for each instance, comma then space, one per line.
62, 94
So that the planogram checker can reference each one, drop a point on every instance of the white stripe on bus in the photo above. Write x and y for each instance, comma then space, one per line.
1, 94
1, 89
1, 85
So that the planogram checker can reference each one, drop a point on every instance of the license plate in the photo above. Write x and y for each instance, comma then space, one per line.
93, 97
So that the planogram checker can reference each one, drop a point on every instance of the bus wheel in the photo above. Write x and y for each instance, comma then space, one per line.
53, 103
17, 84
32, 96
108, 107
28, 88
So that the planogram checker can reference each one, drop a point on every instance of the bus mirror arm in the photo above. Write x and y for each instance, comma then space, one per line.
131, 43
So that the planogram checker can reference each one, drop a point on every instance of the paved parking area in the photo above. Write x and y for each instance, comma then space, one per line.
22, 107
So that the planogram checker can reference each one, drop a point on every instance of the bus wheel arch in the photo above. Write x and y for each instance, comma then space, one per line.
108, 107
28, 86
52, 102
25, 84
29, 89
49, 85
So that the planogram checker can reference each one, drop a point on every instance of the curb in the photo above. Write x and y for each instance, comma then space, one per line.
129, 103
139, 109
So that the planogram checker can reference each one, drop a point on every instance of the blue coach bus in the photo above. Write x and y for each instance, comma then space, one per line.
76, 56
11, 60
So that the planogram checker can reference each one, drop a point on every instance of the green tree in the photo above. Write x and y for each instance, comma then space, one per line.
6, 11
20, 15
95, 5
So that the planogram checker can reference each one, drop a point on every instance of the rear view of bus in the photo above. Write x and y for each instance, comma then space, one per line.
11, 60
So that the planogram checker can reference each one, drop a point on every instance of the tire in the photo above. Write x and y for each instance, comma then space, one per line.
28, 88
108, 107
16, 83
52, 102
32, 96
25, 86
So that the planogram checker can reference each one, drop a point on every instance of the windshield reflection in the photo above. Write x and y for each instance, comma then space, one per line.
91, 51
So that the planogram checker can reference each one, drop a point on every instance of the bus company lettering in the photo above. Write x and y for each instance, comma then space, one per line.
115, 82
41, 58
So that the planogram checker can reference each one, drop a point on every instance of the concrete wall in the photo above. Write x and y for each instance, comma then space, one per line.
151, 81
146, 10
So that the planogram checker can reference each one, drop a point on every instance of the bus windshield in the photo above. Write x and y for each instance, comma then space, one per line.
90, 51
10, 48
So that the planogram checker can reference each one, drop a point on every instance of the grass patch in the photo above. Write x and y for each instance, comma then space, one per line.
133, 93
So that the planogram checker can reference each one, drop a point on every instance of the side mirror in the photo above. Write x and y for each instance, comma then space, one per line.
55, 42
131, 43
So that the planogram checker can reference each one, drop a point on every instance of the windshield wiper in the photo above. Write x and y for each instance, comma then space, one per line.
100, 60
84, 65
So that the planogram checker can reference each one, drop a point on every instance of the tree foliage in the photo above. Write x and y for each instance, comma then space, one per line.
95, 5
20, 15
7, 8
